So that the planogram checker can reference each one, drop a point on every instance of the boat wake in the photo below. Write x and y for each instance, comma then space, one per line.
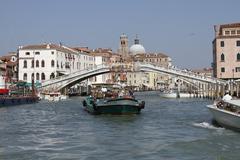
206, 125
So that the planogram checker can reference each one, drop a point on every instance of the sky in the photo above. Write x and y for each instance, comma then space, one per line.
181, 29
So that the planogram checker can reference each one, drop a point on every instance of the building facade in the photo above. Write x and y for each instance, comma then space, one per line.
226, 51
137, 53
9, 68
102, 56
46, 61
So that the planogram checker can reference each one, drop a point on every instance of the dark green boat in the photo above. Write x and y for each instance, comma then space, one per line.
119, 105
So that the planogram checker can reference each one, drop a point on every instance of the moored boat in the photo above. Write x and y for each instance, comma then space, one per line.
17, 100
18, 94
226, 113
53, 96
174, 94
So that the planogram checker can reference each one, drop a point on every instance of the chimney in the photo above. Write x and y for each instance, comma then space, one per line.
217, 30
48, 46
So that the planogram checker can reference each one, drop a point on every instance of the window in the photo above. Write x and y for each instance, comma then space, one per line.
233, 32
32, 64
27, 53
222, 57
37, 76
238, 43
37, 63
37, 53
238, 31
227, 32
222, 43
25, 76
52, 63
43, 76
52, 76
222, 69
52, 52
24, 64
43, 63
237, 69
238, 57
32, 77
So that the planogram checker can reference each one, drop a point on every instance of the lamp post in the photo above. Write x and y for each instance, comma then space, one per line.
232, 81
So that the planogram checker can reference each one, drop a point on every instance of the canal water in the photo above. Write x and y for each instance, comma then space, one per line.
167, 129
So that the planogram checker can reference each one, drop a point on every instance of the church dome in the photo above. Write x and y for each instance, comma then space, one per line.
137, 49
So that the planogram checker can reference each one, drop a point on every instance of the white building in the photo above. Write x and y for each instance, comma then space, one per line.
102, 56
46, 61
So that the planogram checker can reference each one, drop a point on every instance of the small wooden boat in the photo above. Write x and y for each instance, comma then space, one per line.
226, 113
119, 105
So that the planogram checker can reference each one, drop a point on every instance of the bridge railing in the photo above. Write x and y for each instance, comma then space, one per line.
73, 74
184, 73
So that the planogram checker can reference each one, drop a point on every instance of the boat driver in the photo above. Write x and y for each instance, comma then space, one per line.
227, 96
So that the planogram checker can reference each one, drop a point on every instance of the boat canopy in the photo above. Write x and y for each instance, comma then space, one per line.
234, 102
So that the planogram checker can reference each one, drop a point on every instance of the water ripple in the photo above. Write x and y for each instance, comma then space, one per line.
166, 129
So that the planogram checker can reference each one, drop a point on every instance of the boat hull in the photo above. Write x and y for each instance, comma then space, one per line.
225, 118
11, 101
114, 106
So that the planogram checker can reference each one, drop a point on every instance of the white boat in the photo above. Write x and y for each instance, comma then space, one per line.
227, 113
53, 96
174, 94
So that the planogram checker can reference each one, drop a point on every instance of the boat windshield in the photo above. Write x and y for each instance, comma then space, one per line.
234, 102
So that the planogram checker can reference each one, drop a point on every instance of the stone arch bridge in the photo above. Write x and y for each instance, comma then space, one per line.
66, 81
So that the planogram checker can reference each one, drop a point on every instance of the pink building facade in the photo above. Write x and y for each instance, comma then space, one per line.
226, 51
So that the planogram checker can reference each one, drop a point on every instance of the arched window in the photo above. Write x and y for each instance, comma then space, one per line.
238, 57
25, 76
32, 64
52, 63
222, 57
32, 77
37, 63
42, 63
52, 76
43, 76
24, 64
37, 76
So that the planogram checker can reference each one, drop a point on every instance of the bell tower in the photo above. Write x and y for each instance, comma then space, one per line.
123, 49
